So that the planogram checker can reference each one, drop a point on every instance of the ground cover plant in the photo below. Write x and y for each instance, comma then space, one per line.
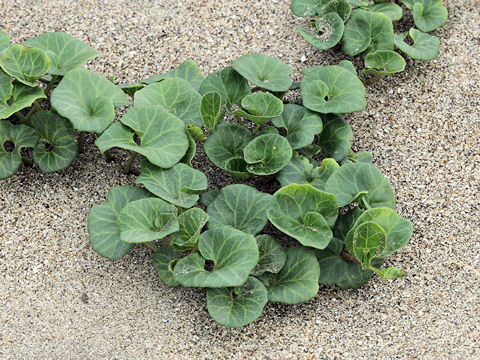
325, 215
43, 117
366, 27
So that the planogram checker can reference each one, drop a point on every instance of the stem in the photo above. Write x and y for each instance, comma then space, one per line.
151, 246
180, 209
27, 162
108, 155
81, 142
349, 257
256, 129
50, 84
130, 162
21, 117
371, 80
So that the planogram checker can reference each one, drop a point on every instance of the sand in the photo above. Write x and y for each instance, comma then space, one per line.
59, 300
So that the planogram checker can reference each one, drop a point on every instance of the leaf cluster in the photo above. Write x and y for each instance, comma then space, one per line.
333, 203
366, 28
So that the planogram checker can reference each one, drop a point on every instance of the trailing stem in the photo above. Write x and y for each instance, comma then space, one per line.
130, 162
50, 84
81, 142
151, 246
349, 257
108, 155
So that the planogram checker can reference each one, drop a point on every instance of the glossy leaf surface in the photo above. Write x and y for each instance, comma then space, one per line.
191, 223
27, 65
272, 256
267, 154
187, 70
425, 47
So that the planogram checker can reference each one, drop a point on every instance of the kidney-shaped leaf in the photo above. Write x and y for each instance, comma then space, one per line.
176, 95
305, 213
87, 99
264, 71
260, 107
383, 62
305, 8
25, 64
64, 51
332, 89
425, 47
234, 255
227, 142
147, 220
4, 40
187, 70
22, 96
272, 256
367, 30
191, 223
241, 207
267, 154
368, 242
429, 15
340, 7
56, 148
398, 229
330, 29
12, 139
102, 222
237, 307
301, 125
163, 138
231, 86
363, 183
336, 137
393, 11
179, 185
297, 282
164, 260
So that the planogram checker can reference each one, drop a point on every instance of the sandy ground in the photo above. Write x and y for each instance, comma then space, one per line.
59, 300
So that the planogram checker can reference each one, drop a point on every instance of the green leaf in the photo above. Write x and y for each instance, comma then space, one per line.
393, 11
363, 183
330, 29
267, 154
305, 213
237, 307
164, 260
27, 65
348, 65
358, 3
390, 273
272, 257
301, 125
264, 71
345, 274
345, 222
332, 89
64, 51
227, 142
408, 3
398, 230
4, 40
23, 96
102, 222
211, 109
56, 148
87, 99
260, 107
231, 86
300, 171
383, 62
297, 282
361, 156
237, 167
196, 132
208, 196
163, 138
176, 95
234, 255
425, 47
429, 15
305, 8
6, 87
147, 220
187, 70
336, 137
12, 139
191, 223
131, 89
340, 7
367, 30
191, 151
241, 207
368, 242
309, 151
179, 185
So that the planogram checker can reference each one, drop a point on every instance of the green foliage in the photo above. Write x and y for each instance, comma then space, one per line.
211, 109
366, 28
267, 154
191, 223
22, 96
188, 71
260, 107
